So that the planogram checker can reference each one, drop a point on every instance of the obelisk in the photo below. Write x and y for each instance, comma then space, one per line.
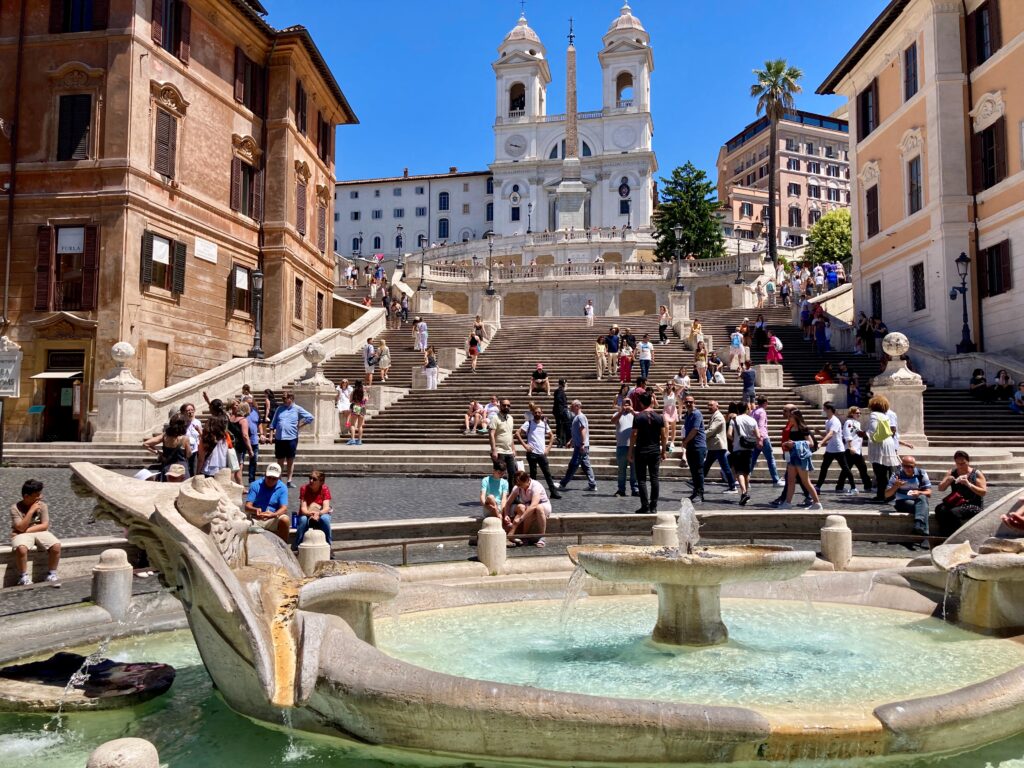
571, 192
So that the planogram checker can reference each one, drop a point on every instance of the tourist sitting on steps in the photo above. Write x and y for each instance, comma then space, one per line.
910, 487
473, 418
30, 529
494, 494
539, 381
314, 508
967, 488
267, 503
529, 509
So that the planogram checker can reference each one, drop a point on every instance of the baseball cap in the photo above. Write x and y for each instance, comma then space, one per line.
273, 470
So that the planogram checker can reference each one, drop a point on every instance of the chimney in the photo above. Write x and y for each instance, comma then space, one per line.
405, 173
452, 169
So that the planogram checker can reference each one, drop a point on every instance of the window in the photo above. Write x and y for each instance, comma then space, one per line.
74, 124
847, 197
914, 185
377, 244
516, 100
792, 164
833, 195
793, 190
300, 208
354, 215
249, 78
67, 268
465, 209
813, 166
995, 271
490, 211
624, 206
809, 148
490, 185
791, 145
813, 217
396, 192
353, 195
830, 151
871, 210
337, 218
558, 151
300, 109
910, 72
465, 187
324, 138
421, 210
746, 210
246, 189
813, 190
443, 201
321, 228
298, 298
751, 178
171, 27
983, 33
516, 214
917, 292
442, 229
795, 217
77, 15
867, 110
421, 190
377, 213
764, 213
762, 171
319, 311
988, 155
875, 289
165, 144
376, 193
355, 244
399, 213
163, 263
239, 290
832, 170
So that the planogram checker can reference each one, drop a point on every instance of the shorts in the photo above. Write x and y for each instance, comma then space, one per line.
473, 351
740, 461
270, 524
40, 540
369, 368
285, 449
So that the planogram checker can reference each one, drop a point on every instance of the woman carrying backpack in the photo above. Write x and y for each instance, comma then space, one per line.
881, 445
774, 349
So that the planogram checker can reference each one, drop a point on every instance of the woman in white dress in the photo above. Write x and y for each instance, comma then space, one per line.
344, 404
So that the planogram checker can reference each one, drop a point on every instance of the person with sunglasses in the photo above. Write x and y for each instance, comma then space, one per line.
910, 487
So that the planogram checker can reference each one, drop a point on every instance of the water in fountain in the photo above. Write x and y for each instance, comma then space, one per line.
953, 575
573, 592
689, 527
295, 751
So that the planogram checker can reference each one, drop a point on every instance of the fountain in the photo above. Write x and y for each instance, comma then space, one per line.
689, 580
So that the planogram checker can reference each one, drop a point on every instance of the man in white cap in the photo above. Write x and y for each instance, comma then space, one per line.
267, 503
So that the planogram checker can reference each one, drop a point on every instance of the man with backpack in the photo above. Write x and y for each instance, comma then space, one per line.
911, 488
369, 360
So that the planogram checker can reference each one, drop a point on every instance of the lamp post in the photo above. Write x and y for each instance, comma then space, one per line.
490, 264
423, 258
677, 230
359, 250
963, 265
257, 315
401, 247
529, 218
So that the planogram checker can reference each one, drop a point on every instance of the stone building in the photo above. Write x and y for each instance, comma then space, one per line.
937, 104
814, 175
163, 152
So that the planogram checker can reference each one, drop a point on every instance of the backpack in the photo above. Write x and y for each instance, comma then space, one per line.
883, 431
736, 341
777, 343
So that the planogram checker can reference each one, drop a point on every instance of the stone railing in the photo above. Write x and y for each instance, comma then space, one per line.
479, 274
516, 244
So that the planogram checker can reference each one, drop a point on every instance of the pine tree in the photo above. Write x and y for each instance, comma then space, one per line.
688, 200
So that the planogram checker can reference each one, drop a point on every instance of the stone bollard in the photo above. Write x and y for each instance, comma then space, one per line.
124, 753
665, 530
313, 549
837, 542
490, 545
112, 583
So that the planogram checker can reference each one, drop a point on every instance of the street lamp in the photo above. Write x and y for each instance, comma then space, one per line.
359, 250
423, 257
401, 247
529, 218
963, 264
677, 230
490, 264
257, 315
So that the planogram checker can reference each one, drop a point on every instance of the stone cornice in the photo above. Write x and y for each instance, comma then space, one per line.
911, 143
989, 109
870, 173
169, 97
246, 148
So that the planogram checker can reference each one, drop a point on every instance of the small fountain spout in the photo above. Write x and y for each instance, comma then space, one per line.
689, 527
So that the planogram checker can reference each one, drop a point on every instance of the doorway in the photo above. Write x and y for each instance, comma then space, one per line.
60, 417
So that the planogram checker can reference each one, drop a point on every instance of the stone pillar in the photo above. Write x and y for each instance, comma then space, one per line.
490, 545
837, 542
124, 753
665, 531
313, 549
316, 393
679, 309
112, 583
904, 390
768, 376
742, 298
490, 313
450, 357
422, 302
419, 376
123, 409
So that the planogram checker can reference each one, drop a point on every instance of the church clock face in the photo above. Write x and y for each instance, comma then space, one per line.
515, 145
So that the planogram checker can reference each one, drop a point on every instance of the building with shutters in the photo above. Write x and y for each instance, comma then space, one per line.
937, 152
162, 151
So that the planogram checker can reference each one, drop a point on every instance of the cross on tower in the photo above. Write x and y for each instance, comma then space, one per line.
522, 6
572, 35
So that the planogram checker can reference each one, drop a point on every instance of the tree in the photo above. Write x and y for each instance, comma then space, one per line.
830, 238
774, 90
688, 200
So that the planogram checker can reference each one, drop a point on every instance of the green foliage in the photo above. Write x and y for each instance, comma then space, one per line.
688, 199
830, 238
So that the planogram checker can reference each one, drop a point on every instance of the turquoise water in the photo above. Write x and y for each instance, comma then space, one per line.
193, 728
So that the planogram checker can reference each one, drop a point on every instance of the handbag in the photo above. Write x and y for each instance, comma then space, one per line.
954, 499
747, 443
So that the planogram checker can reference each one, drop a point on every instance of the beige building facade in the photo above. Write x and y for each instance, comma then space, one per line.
937, 114
813, 168
163, 153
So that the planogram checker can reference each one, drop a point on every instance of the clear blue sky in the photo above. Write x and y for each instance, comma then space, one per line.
418, 72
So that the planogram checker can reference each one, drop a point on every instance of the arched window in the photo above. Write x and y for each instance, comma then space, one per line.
558, 151
516, 99
442, 229
490, 185
355, 245
443, 201
376, 243
624, 90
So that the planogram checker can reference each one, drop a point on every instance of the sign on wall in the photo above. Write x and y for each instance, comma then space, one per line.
10, 373
71, 240
206, 250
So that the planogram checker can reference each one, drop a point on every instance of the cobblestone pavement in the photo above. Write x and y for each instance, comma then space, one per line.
16, 600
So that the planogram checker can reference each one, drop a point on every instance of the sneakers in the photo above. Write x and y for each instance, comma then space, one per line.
853, 492
560, 486
554, 495
744, 499
467, 431
620, 494
779, 484
52, 576
24, 580
731, 491
351, 442
671, 447
592, 487
814, 507
642, 511
290, 484
783, 505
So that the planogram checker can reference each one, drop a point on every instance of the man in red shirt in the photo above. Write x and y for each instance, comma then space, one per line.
314, 507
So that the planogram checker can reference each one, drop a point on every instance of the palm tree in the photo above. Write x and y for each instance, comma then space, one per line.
774, 90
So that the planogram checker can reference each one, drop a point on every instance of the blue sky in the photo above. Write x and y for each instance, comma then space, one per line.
418, 74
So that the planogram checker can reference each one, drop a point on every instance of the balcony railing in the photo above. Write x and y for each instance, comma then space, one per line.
514, 113
624, 104
67, 296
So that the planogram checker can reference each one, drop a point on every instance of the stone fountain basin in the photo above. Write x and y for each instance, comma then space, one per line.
707, 566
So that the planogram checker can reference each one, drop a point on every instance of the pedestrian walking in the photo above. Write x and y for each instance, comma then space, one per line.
580, 436
647, 448
801, 446
716, 435
695, 446
288, 419
588, 312
384, 359
700, 362
835, 451
882, 444
853, 437
664, 320
500, 431
626, 353
536, 438
645, 355
601, 357
760, 416
430, 367
563, 418
623, 421
369, 360
745, 440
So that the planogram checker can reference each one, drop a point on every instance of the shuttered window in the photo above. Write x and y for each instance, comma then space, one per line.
910, 72
871, 210
44, 269
74, 124
78, 15
325, 138
67, 268
246, 189
300, 108
298, 298
988, 156
240, 289
171, 27
995, 270
300, 209
321, 228
249, 83
166, 143
984, 33
163, 263
319, 311
867, 110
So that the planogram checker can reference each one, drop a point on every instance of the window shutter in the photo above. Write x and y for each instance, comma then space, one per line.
73, 126
100, 14
321, 228
319, 130
971, 33
236, 184
178, 277
257, 195
44, 269
56, 16
876, 108
300, 107
999, 142
982, 271
239, 75
163, 159
259, 96
184, 32
90, 268
977, 164
232, 293
1005, 266
300, 208
995, 25
147, 258
157, 24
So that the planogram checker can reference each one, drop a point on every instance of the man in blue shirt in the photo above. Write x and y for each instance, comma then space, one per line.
695, 445
267, 503
580, 431
285, 423
911, 488
253, 421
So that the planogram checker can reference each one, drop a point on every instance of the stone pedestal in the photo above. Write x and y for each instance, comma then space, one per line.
837, 542
316, 393
689, 615
904, 390
450, 358
490, 545
742, 298
313, 549
112, 583
123, 408
490, 313
422, 302
419, 376
679, 309
124, 753
768, 376
665, 531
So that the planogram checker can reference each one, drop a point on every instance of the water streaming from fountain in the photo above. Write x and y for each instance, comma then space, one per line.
689, 527
294, 750
573, 592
